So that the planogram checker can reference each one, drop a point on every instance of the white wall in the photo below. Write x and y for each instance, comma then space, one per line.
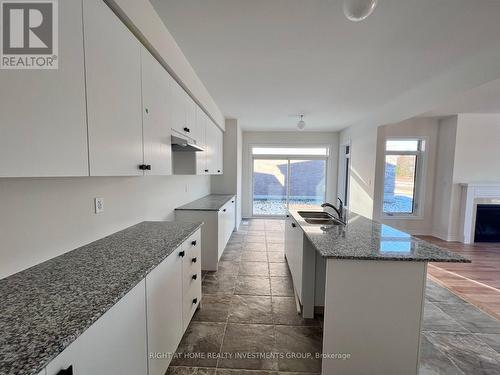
477, 152
142, 19
477, 156
443, 180
295, 138
363, 141
426, 128
230, 181
45, 217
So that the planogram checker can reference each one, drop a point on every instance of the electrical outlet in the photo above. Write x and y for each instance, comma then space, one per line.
99, 205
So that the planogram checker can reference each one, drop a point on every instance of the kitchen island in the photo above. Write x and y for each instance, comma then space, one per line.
374, 289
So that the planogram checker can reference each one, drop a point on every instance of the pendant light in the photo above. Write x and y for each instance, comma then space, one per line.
301, 124
358, 10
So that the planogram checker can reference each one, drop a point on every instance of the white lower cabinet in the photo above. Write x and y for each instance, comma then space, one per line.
294, 252
191, 270
114, 345
216, 231
143, 329
164, 298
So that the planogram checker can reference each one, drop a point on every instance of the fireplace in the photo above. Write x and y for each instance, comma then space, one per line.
480, 213
487, 223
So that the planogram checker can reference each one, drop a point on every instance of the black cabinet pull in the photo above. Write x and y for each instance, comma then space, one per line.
145, 167
186, 129
206, 170
193, 243
232, 201
293, 225
194, 260
218, 170
195, 301
195, 276
68, 371
224, 210
287, 215
182, 253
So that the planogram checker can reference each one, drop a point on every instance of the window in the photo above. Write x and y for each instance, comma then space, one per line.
404, 159
284, 176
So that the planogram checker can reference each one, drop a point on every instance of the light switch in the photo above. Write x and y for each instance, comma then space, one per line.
99, 205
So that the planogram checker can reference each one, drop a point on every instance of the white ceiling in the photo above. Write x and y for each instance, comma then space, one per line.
483, 99
264, 61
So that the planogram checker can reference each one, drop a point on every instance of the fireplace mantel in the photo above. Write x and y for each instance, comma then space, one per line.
472, 195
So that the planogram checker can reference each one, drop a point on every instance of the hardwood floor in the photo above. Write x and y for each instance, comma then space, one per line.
477, 282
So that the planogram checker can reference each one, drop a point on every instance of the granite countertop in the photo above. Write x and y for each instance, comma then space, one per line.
212, 202
46, 307
365, 239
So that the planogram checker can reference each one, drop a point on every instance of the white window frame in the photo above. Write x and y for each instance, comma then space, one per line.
252, 157
420, 174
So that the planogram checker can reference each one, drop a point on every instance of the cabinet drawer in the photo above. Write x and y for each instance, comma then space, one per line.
192, 298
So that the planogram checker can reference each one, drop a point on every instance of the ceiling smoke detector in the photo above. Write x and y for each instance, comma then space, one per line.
301, 124
358, 10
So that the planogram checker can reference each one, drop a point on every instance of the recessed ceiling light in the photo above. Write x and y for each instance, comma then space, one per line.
358, 10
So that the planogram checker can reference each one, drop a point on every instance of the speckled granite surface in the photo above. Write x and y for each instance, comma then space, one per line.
45, 308
212, 202
366, 239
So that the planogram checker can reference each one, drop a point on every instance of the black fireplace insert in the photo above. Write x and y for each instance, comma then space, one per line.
487, 223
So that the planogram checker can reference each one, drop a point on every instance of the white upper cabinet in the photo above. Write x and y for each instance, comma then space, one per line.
219, 157
156, 112
184, 114
43, 130
113, 66
213, 148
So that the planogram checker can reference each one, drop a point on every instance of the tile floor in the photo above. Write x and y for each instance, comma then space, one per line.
248, 307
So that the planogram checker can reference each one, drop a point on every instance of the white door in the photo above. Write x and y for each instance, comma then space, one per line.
164, 298
113, 65
156, 116
115, 344
43, 129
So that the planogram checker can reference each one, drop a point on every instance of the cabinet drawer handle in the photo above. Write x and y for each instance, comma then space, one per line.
224, 210
145, 167
182, 253
195, 276
186, 129
293, 225
218, 170
195, 301
206, 170
68, 371
193, 243
194, 259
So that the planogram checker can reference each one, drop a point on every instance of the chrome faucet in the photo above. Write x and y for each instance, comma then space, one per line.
339, 211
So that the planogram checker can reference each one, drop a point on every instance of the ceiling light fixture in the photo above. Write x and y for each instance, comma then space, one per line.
358, 10
301, 124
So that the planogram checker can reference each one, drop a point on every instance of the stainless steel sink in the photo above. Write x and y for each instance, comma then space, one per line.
321, 221
315, 215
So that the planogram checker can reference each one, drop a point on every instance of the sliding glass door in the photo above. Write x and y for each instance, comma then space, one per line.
270, 185
279, 183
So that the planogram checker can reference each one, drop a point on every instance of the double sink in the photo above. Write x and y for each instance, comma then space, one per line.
319, 218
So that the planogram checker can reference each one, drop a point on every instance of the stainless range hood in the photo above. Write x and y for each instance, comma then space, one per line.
180, 144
